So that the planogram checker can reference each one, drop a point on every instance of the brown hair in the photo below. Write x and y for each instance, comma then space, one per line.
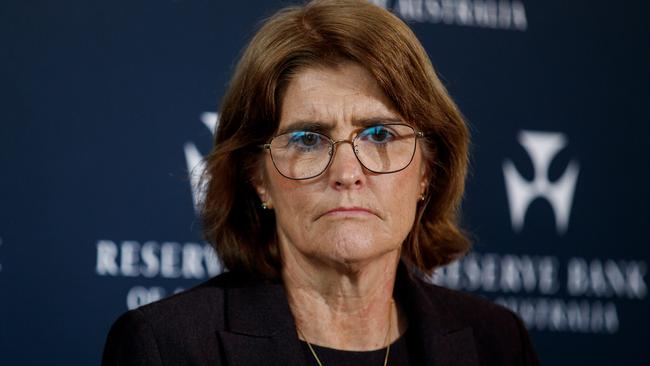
322, 33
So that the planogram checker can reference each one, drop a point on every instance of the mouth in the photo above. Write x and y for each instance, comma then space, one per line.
353, 211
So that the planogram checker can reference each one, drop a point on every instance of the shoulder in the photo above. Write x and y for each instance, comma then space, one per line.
198, 305
171, 327
499, 334
468, 308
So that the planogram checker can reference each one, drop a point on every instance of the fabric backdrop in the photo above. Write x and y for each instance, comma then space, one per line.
108, 105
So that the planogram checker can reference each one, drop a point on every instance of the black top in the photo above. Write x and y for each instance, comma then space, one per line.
230, 320
399, 355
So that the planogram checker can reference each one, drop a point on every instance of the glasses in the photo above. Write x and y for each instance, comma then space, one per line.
381, 149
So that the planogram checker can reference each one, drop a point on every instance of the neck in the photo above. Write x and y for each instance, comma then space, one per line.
347, 307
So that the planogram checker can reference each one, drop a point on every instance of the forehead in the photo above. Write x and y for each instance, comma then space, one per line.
334, 96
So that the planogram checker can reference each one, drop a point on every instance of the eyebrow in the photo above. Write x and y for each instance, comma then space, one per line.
325, 127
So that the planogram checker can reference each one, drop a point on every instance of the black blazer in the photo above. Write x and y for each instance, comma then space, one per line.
230, 321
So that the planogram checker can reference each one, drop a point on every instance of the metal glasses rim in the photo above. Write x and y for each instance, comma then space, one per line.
418, 135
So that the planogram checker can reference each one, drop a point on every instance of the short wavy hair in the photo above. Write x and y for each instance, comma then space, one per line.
327, 33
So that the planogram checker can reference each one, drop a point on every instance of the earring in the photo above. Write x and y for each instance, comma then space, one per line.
422, 197
265, 206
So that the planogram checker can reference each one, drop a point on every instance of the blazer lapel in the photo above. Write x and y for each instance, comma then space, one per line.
259, 327
442, 339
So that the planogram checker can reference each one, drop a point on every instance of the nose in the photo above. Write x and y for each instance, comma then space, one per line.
345, 171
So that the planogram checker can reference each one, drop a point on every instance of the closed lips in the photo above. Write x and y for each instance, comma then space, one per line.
342, 210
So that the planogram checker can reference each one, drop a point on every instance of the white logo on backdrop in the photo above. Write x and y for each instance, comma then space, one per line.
194, 159
542, 147
550, 293
153, 259
501, 14
167, 259
569, 295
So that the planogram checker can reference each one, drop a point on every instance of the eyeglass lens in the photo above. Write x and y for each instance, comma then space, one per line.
380, 149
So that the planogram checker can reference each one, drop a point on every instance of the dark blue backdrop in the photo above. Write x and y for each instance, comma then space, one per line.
106, 104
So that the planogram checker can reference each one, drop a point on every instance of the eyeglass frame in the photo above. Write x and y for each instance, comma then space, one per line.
333, 146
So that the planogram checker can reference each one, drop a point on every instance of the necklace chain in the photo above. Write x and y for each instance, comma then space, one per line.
390, 317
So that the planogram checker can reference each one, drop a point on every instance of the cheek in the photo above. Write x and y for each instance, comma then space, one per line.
402, 195
288, 196
405, 199
275, 182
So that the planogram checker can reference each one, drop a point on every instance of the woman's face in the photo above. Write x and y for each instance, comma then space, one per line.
347, 215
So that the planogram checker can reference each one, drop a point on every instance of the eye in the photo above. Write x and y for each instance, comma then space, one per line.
304, 139
377, 134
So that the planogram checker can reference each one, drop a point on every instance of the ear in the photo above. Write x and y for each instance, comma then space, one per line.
424, 184
259, 182
262, 192
424, 180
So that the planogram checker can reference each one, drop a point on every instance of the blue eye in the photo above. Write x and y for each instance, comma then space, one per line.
304, 140
377, 134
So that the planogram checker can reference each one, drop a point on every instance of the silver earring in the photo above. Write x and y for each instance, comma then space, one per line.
422, 197
265, 206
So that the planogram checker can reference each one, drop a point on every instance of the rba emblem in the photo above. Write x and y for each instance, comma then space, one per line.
542, 147
194, 159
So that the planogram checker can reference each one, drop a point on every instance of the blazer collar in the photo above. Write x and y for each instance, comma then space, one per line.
441, 338
260, 328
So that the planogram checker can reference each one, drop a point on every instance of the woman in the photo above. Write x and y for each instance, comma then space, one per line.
335, 181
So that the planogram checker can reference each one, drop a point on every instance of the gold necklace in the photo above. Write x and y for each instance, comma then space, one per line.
385, 340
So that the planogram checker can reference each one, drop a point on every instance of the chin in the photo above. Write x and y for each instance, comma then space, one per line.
353, 252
